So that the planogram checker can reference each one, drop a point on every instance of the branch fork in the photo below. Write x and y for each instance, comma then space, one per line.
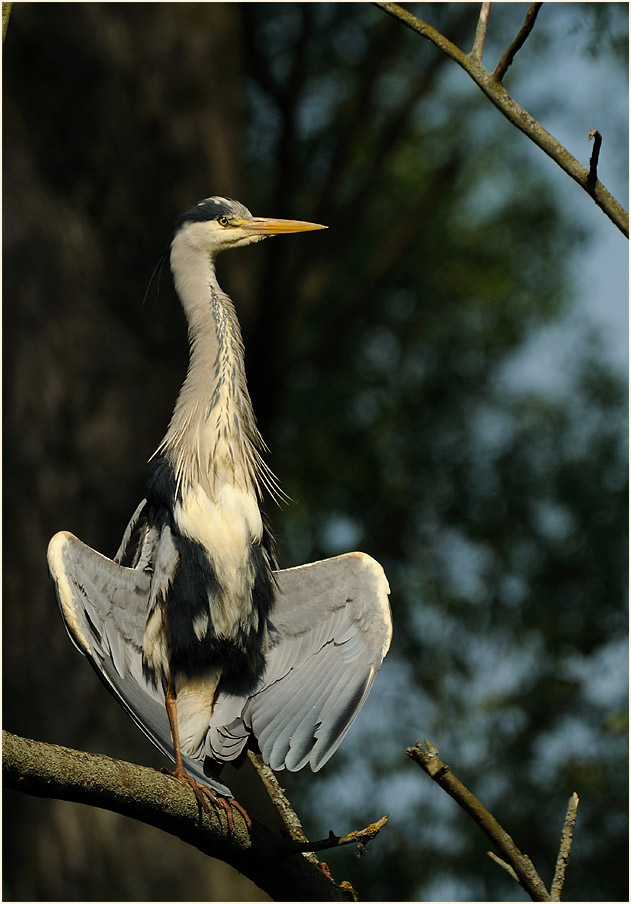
517, 864
491, 85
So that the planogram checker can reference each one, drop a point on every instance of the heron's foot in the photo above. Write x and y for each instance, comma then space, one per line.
204, 794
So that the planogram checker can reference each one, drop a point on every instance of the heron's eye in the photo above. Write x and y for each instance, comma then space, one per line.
223, 221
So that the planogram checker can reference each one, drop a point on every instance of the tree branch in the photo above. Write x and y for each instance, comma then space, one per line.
300, 842
480, 33
425, 30
360, 837
6, 14
506, 866
509, 54
564, 850
492, 87
278, 797
517, 864
272, 863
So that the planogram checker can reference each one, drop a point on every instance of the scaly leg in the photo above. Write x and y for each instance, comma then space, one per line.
201, 791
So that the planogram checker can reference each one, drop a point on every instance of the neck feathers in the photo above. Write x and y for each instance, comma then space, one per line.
212, 440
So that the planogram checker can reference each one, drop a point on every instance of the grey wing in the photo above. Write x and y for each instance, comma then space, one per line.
126, 544
331, 628
104, 607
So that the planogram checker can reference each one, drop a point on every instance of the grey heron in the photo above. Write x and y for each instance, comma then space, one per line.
207, 645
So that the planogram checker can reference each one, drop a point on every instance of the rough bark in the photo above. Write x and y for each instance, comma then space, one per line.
47, 770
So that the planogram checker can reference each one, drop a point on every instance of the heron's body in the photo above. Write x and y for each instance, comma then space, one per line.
206, 484
192, 611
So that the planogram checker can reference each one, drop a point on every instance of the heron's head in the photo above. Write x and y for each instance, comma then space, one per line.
219, 223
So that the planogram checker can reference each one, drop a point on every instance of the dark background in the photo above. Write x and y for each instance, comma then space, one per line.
379, 357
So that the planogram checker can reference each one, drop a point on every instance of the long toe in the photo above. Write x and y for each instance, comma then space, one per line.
203, 794
242, 811
227, 804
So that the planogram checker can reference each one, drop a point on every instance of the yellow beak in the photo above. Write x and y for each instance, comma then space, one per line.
271, 226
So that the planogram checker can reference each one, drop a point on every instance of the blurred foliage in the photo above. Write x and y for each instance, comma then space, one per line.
601, 29
378, 356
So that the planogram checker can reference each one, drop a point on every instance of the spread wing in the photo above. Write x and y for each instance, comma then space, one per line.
104, 606
331, 628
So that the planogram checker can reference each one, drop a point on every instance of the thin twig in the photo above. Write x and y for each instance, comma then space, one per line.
564, 850
281, 802
593, 163
529, 879
278, 798
505, 866
360, 837
300, 843
520, 39
426, 30
480, 33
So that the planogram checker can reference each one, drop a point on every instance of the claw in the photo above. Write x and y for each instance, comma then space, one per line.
242, 811
203, 791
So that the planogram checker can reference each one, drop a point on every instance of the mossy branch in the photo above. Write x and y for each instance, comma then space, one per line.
518, 865
491, 84
276, 865
6, 15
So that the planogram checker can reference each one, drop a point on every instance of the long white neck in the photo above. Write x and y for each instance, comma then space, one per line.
212, 439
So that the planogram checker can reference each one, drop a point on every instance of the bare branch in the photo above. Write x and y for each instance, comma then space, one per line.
6, 13
427, 758
564, 850
520, 39
505, 866
480, 33
520, 118
278, 798
300, 843
425, 30
47, 770
360, 837
554, 149
593, 163
281, 802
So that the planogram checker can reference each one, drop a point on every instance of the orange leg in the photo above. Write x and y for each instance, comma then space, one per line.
201, 791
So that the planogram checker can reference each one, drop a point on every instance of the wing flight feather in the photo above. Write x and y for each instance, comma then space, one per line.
331, 628
104, 606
